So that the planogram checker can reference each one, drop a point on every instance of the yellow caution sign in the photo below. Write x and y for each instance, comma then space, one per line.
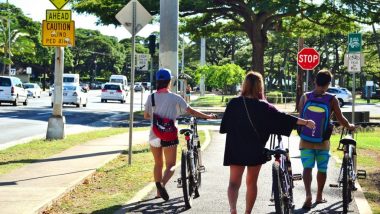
59, 3
59, 34
58, 15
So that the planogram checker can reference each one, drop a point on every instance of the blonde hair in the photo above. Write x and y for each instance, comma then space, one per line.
253, 85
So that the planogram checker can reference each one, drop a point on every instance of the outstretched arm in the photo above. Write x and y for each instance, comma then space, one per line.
200, 114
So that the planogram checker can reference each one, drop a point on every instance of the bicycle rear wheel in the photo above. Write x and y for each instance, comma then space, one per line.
185, 179
277, 190
346, 190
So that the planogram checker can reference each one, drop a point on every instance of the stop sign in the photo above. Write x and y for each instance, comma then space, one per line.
308, 58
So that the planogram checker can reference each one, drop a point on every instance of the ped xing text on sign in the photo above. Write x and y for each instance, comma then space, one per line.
59, 34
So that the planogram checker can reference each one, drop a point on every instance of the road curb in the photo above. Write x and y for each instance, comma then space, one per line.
141, 194
361, 201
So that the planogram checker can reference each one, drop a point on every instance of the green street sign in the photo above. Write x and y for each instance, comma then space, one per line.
354, 42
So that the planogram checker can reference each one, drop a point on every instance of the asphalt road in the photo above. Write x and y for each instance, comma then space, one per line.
20, 122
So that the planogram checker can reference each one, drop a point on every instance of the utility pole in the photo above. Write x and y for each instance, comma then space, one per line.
203, 62
169, 39
9, 40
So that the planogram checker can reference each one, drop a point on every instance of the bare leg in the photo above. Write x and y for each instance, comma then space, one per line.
307, 178
158, 164
321, 180
251, 181
236, 173
170, 159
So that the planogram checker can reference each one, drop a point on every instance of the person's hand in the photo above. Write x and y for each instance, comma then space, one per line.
351, 127
212, 116
310, 124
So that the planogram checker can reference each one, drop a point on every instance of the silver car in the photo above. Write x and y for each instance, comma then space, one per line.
34, 90
342, 94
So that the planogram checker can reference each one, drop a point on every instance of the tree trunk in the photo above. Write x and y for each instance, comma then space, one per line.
258, 57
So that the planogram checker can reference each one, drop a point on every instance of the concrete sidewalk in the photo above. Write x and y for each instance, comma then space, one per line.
213, 192
32, 188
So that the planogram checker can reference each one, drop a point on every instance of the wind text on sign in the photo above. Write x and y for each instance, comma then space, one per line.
58, 15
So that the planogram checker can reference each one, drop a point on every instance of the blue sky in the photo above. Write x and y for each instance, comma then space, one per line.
36, 9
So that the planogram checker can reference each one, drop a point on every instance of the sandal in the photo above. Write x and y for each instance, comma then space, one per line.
321, 201
164, 194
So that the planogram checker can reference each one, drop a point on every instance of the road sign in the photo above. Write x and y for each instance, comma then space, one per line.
12, 72
308, 58
354, 64
58, 34
354, 42
125, 16
58, 15
59, 3
28, 70
142, 62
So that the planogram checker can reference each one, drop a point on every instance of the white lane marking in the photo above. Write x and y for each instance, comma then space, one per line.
13, 116
44, 113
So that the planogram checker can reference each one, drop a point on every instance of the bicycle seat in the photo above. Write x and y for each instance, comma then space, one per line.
348, 140
183, 131
276, 151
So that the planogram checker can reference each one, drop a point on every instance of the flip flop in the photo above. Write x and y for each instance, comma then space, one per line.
306, 207
321, 202
164, 194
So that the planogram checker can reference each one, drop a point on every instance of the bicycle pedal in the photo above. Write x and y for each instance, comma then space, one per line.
179, 183
361, 174
334, 185
201, 169
297, 177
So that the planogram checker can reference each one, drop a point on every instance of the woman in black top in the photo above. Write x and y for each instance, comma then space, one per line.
248, 122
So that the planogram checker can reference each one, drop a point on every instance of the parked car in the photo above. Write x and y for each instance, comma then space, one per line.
73, 95
138, 86
113, 91
51, 90
85, 86
146, 85
12, 91
33, 89
342, 94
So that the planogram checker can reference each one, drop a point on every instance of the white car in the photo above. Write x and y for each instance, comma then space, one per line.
34, 90
12, 91
342, 94
73, 95
113, 91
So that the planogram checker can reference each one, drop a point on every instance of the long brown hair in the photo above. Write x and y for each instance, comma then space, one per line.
253, 85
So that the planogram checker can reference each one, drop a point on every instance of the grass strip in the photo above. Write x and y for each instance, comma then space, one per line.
113, 184
22, 154
211, 101
368, 150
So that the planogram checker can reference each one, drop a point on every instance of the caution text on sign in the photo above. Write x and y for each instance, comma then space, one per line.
59, 34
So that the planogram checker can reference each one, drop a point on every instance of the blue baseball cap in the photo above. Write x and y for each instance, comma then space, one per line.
163, 74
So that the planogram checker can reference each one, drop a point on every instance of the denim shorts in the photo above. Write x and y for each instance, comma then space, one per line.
310, 156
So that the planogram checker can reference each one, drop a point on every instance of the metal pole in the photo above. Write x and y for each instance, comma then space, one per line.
9, 40
307, 80
132, 81
151, 73
353, 97
203, 62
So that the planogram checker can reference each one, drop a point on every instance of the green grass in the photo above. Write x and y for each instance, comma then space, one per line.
20, 155
210, 101
368, 150
113, 184
373, 101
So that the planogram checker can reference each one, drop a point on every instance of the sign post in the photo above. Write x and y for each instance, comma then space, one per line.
58, 31
133, 17
308, 59
354, 63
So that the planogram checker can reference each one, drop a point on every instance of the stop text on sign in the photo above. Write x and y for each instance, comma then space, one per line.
308, 58
58, 15
58, 34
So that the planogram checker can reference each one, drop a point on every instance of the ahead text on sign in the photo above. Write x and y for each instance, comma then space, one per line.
58, 15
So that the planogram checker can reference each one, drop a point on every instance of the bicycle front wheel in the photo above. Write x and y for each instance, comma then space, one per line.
277, 190
185, 179
198, 174
346, 190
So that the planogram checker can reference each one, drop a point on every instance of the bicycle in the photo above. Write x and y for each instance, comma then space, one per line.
348, 171
282, 183
191, 163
